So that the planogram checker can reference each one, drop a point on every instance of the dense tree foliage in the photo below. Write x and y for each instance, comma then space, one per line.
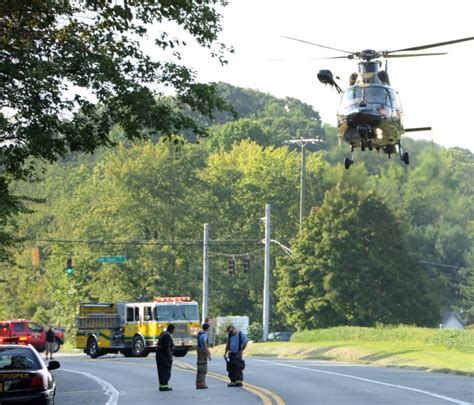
71, 70
351, 266
371, 250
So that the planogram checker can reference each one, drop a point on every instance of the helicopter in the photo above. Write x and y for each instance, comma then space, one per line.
370, 114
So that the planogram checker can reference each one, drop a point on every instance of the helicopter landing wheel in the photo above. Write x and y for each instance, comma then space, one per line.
348, 162
406, 158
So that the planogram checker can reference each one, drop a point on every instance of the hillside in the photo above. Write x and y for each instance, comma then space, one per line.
148, 201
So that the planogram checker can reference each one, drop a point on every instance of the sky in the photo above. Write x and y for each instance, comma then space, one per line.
435, 91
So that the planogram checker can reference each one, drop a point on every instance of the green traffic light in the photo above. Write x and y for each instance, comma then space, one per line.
69, 268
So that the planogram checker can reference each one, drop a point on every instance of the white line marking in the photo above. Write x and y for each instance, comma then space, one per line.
402, 387
108, 388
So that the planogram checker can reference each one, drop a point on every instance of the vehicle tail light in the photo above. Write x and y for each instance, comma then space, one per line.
23, 340
37, 382
1, 341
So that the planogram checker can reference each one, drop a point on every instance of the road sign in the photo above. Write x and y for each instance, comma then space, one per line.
112, 259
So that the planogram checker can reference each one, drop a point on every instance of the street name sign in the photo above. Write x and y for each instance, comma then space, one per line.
112, 259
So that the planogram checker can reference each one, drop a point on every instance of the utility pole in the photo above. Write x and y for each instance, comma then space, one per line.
266, 278
302, 144
205, 273
303, 171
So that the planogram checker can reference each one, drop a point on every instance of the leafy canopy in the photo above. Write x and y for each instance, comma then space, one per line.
57, 55
351, 266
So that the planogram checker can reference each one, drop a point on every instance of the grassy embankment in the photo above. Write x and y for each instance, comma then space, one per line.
402, 346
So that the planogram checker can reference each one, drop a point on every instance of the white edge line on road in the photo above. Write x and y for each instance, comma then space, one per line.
402, 387
108, 388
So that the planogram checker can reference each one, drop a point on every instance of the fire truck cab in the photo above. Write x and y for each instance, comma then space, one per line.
134, 328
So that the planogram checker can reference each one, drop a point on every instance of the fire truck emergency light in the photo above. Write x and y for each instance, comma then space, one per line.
172, 299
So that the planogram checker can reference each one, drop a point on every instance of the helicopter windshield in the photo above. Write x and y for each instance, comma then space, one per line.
376, 95
369, 95
353, 95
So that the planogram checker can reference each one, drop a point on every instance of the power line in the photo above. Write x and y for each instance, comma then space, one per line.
441, 264
235, 254
185, 242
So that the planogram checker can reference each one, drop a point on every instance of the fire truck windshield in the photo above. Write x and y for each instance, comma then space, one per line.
176, 312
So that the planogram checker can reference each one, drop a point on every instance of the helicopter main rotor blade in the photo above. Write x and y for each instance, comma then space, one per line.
334, 57
421, 47
321, 46
410, 55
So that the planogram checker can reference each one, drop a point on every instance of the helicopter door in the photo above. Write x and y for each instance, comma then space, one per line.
396, 104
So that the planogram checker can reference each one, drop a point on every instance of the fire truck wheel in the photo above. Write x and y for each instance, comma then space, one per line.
93, 348
138, 347
180, 352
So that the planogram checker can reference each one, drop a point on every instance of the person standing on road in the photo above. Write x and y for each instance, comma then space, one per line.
50, 340
203, 355
164, 357
236, 344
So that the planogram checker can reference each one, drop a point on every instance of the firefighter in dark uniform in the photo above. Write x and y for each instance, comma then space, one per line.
203, 355
236, 344
164, 357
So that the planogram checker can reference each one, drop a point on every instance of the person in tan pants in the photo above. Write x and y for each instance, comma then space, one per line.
203, 355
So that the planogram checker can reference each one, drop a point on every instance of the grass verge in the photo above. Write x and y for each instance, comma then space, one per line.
420, 348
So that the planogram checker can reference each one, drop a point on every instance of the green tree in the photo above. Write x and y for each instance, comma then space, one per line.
55, 52
351, 266
240, 182
467, 288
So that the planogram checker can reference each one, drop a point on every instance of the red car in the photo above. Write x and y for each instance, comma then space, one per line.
21, 331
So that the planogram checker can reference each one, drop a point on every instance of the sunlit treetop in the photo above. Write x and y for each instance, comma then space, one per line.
70, 70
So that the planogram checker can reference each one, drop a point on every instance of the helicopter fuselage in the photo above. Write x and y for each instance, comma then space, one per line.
370, 114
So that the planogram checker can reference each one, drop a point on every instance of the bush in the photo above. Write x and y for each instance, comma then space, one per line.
255, 331
221, 333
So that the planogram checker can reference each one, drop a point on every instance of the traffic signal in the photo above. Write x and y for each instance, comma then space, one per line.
231, 267
35, 256
246, 264
69, 268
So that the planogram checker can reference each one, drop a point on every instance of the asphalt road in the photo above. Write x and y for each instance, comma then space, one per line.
117, 380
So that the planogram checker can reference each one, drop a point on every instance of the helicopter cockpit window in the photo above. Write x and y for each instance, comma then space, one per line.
394, 99
377, 95
353, 95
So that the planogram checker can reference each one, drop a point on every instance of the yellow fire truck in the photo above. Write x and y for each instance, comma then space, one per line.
133, 328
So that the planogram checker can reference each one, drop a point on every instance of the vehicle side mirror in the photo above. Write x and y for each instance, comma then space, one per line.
53, 365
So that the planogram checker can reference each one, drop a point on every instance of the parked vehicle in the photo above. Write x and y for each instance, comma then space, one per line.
24, 377
21, 331
280, 336
133, 328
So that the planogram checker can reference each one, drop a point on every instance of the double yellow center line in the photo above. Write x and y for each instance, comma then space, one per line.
268, 397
